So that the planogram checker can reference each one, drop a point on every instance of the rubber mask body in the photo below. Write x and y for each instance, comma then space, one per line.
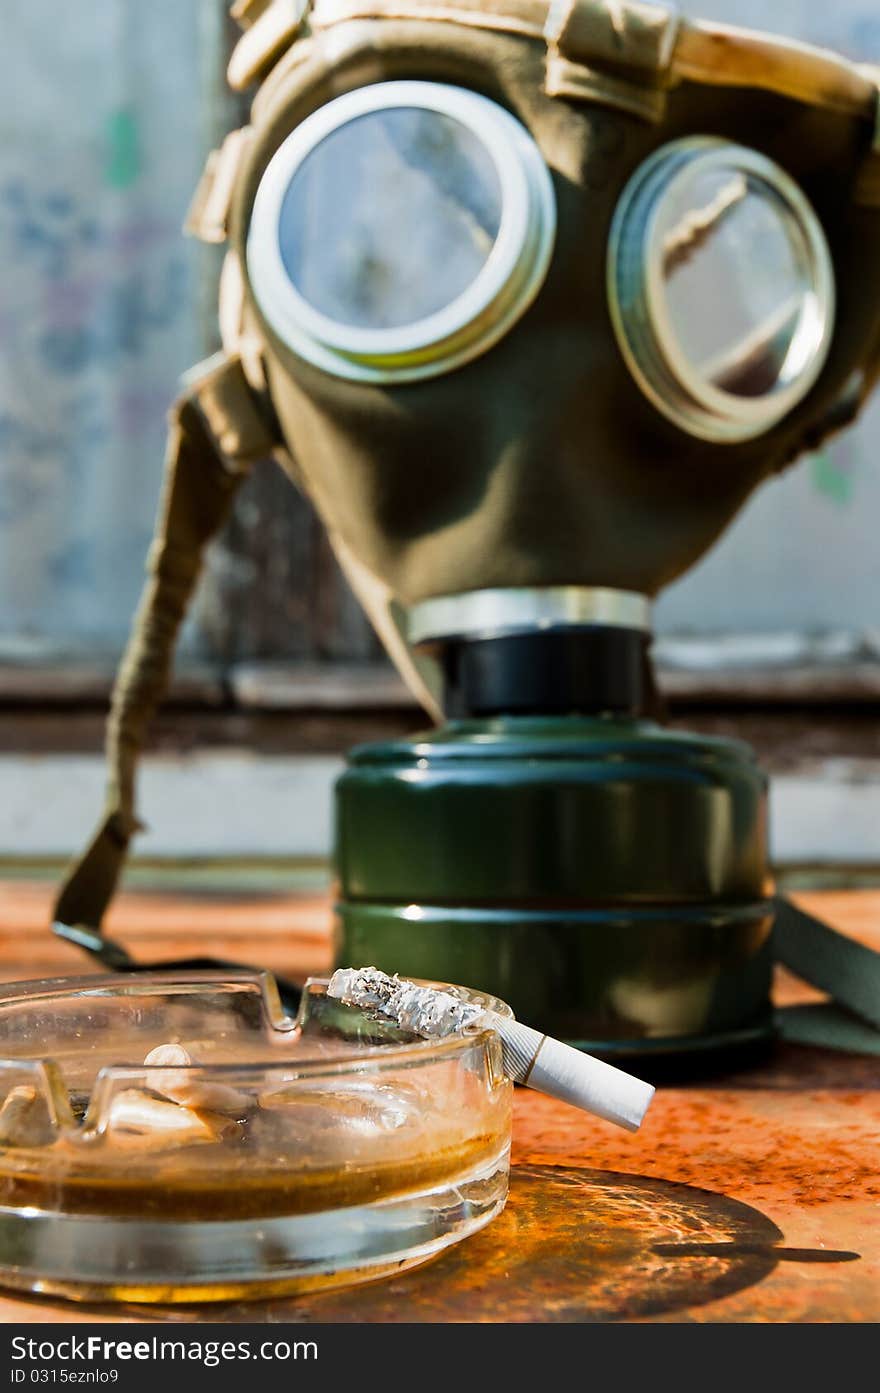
541, 462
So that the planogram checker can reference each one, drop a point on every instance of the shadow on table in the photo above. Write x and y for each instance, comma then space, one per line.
571, 1245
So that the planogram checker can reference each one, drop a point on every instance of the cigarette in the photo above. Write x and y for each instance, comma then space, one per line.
529, 1056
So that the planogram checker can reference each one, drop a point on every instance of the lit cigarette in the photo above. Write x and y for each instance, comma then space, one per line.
529, 1057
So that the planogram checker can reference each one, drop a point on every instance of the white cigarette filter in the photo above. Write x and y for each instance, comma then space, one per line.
529, 1057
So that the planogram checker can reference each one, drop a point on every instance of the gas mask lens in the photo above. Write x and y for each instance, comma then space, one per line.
721, 288
400, 230
425, 214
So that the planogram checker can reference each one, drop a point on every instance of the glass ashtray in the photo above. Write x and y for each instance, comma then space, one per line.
255, 1154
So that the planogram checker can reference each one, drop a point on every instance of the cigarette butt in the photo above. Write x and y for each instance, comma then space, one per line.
178, 1084
24, 1118
172, 1054
551, 1067
138, 1119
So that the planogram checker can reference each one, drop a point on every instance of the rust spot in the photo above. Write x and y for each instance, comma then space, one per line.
774, 1149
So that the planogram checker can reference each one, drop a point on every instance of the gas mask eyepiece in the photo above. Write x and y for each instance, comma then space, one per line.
400, 230
721, 288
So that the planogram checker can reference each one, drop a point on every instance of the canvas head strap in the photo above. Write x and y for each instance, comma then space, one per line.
218, 429
596, 49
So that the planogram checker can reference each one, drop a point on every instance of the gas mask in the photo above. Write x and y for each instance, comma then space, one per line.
528, 298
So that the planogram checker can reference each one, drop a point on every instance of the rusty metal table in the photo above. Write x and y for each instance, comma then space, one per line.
750, 1198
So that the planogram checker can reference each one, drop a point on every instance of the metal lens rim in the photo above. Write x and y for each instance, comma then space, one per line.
500, 293
638, 310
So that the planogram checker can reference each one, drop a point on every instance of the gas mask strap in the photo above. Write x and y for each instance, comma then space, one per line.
848, 971
270, 27
217, 431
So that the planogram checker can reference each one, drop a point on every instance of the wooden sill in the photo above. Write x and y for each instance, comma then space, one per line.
348, 687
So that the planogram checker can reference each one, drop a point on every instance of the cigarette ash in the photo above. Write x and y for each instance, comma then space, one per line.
425, 1011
